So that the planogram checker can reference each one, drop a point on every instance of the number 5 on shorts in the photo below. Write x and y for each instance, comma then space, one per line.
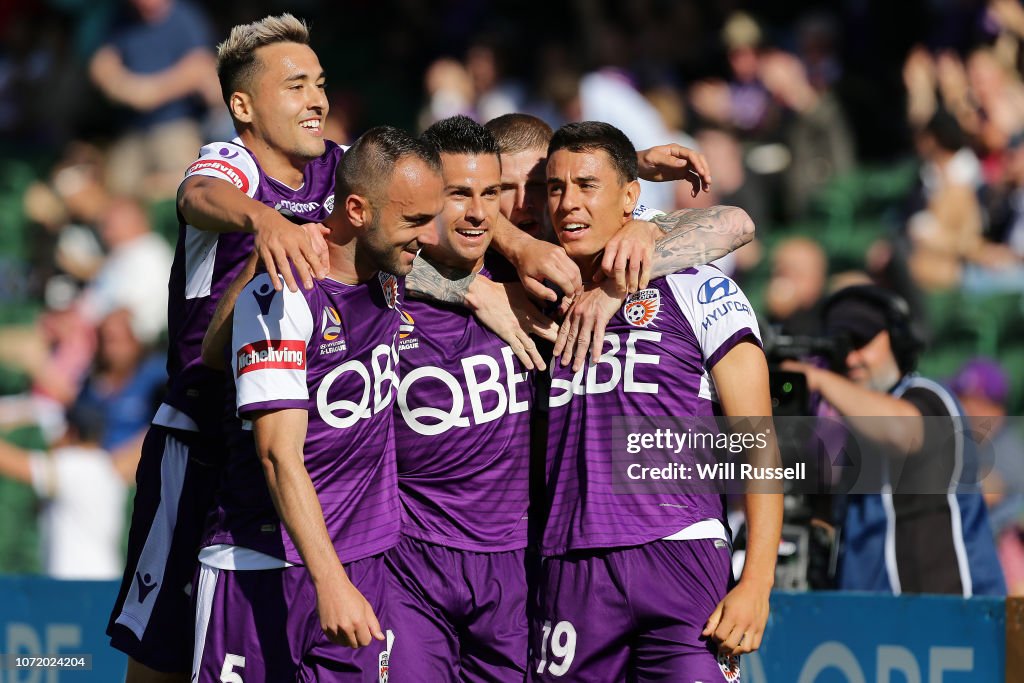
563, 648
228, 673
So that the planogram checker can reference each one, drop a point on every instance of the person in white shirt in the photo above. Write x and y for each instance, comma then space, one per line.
84, 490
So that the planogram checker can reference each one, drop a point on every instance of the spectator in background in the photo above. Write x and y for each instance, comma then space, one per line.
610, 95
55, 355
668, 101
449, 89
815, 130
733, 186
743, 104
57, 351
797, 285
999, 263
946, 230
83, 490
983, 387
126, 383
991, 106
135, 273
496, 95
985, 96
63, 212
160, 66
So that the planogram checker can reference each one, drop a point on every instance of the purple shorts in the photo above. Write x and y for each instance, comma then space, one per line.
462, 614
263, 625
152, 620
631, 614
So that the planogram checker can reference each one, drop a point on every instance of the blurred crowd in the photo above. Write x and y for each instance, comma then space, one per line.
871, 142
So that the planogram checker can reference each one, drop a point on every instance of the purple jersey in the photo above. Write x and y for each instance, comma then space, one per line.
656, 360
332, 351
462, 430
206, 262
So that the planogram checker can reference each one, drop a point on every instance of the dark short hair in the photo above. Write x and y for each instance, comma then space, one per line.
590, 136
367, 165
519, 132
460, 135
947, 132
86, 419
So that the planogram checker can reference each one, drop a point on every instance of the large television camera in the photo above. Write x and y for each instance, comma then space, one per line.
790, 396
807, 556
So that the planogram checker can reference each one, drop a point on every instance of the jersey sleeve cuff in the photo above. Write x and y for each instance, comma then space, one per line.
729, 344
278, 404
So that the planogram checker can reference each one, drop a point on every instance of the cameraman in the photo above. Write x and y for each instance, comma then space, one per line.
909, 541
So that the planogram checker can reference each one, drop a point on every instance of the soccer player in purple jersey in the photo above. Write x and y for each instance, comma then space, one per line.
279, 171
462, 436
292, 578
655, 243
638, 586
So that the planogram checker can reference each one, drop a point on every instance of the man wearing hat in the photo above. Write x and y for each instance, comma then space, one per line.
982, 386
922, 526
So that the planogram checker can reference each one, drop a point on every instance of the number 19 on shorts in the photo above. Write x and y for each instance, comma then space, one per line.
561, 641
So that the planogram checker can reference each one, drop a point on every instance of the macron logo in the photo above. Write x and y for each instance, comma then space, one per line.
232, 173
146, 585
272, 354
264, 297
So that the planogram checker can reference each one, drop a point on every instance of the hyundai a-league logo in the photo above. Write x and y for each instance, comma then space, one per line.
407, 325
330, 324
716, 288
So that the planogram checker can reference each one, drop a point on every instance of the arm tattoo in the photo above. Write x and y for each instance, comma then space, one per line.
697, 236
438, 282
689, 218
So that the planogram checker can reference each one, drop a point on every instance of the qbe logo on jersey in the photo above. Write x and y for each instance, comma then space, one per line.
272, 354
642, 308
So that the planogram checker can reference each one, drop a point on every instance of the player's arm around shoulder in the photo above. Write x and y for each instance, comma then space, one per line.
651, 245
504, 308
218, 190
537, 262
692, 237
217, 195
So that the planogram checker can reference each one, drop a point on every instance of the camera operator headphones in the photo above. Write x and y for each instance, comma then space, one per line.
906, 342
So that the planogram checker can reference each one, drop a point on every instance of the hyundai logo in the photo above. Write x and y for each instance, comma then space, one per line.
716, 288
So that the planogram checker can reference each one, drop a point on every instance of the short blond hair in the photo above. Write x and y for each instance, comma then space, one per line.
519, 132
236, 56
